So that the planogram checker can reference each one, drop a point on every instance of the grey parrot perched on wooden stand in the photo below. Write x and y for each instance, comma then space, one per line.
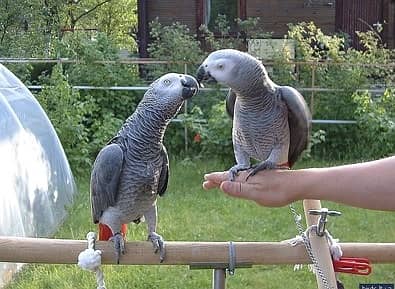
133, 168
271, 123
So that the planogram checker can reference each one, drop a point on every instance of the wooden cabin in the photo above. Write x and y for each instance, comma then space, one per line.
330, 15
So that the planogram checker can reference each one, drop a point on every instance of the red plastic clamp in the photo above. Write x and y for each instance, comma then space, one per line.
358, 266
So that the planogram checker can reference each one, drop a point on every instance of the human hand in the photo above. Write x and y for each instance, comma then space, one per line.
267, 188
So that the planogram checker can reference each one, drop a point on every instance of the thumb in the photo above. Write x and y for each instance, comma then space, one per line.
231, 188
239, 190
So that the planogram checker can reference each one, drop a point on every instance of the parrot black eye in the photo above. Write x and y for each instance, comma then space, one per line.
221, 66
166, 82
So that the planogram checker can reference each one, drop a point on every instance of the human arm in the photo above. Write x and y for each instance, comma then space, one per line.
369, 185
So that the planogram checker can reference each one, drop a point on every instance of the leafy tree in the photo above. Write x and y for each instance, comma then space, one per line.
67, 114
24, 28
77, 11
111, 107
118, 20
30, 28
175, 44
346, 70
376, 124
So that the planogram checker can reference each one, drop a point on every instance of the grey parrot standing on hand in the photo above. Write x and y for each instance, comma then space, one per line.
133, 168
271, 123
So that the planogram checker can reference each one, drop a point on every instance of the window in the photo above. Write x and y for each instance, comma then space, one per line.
220, 7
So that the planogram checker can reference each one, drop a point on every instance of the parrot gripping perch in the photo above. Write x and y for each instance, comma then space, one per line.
158, 244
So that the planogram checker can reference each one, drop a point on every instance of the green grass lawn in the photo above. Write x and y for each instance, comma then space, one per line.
188, 213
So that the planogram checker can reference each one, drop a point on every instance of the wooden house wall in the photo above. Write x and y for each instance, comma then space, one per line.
361, 15
389, 27
275, 15
170, 11
329, 15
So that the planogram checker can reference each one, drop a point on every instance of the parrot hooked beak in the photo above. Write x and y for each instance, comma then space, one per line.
190, 86
204, 75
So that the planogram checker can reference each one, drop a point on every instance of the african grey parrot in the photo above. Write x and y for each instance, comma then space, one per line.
271, 123
133, 168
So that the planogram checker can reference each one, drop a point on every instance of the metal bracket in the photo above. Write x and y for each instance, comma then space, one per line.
220, 269
215, 265
323, 213
232, 258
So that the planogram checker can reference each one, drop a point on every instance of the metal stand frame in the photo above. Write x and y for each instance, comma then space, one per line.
220, 269
219, 278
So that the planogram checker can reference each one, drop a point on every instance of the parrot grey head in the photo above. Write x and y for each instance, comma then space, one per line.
175, 87
171, 89
232, 68
167, 93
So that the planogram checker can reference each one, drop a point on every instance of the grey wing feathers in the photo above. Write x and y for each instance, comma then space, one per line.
230, 103
299, 119
105, 178
164, 173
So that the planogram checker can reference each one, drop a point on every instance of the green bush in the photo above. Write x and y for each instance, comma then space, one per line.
376, 124
175, 44
214, 131
111, 107
101, 112
67, 114
86, 120
346, 70
217, 137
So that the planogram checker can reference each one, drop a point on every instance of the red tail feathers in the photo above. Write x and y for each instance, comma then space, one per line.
105, 232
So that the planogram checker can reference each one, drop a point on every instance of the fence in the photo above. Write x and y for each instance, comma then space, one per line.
149, 61
307, 91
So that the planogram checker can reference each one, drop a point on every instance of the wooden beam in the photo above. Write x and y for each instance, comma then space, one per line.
199, 14
242, 9
143, 28
60, 251
320, 248
339, 15
389, 18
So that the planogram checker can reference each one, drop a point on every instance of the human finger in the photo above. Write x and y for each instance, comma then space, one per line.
216, 177
208, 185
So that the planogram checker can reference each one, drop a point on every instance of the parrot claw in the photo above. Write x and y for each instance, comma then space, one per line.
119, 245
159, 245
233, 171
265, 165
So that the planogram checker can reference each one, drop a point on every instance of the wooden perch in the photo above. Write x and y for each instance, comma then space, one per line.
59, 251
320, 247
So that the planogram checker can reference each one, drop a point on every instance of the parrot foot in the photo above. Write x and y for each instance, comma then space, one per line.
119, 245
233, 171
265, 165
158, 243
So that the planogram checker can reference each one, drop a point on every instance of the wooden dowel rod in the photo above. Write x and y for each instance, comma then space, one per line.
320, 248
60, 251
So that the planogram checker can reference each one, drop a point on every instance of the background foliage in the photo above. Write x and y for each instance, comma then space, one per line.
93, 31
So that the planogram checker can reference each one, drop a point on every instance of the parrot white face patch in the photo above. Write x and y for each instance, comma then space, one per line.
175, 87
170, 82
220, 69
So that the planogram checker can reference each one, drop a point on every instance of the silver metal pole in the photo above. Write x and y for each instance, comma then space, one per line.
219, 276
186, 113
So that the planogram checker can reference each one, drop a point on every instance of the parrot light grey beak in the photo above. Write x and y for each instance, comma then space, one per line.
203, 75
190, 86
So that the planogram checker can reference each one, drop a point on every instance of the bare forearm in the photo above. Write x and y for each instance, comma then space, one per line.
368, 185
